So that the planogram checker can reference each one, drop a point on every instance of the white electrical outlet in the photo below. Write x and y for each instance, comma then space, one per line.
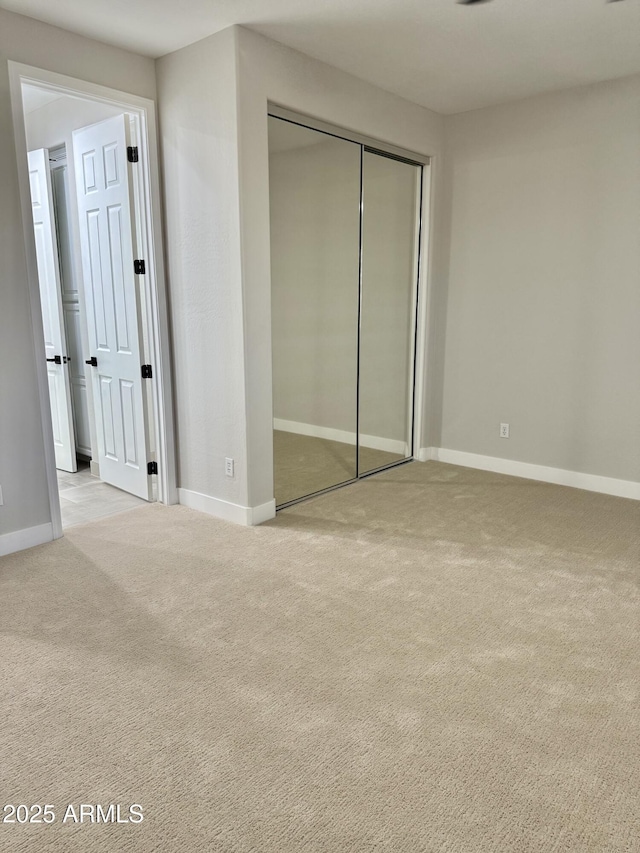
229, 466
1, 500
504, 430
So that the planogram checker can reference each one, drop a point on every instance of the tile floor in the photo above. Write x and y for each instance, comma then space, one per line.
84, 497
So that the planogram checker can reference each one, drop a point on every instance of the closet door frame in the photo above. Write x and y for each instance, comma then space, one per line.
420, 311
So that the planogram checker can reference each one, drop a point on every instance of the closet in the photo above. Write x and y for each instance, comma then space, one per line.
345, 248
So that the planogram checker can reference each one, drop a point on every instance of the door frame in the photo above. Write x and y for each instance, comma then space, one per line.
148, 197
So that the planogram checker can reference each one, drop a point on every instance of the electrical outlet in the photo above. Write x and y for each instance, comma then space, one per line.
229, 466
1, 500
504, 430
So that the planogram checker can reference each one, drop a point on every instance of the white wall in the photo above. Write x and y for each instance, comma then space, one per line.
22, 473
270, 72
543, 316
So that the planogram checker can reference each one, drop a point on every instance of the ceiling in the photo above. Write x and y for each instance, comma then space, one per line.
441, 54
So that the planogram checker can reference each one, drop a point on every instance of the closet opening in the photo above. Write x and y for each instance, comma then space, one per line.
346, 235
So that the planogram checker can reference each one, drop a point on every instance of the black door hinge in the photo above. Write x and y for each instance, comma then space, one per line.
147, 373
152, 467
132, 153
139, 267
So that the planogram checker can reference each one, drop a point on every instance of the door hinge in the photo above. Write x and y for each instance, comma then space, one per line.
147, 373
152, 467
139, 267
132, 153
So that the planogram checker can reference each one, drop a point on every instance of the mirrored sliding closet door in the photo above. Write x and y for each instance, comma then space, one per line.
314, 188
390, 235
344, 255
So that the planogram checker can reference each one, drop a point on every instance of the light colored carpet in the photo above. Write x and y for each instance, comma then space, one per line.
304, 465
432, 659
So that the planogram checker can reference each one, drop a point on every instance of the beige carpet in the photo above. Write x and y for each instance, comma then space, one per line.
432, 659
304, 465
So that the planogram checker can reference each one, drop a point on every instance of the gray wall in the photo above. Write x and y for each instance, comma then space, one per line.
22, 474
543, 313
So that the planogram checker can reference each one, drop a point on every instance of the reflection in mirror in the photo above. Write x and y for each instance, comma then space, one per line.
314, 183
390, 236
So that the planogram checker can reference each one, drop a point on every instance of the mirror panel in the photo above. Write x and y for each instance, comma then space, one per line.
390, 237
315, 233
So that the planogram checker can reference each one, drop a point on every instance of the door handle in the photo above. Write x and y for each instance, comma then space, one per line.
57, 359
93, 361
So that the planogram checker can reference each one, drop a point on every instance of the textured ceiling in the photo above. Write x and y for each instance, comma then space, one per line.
439, 53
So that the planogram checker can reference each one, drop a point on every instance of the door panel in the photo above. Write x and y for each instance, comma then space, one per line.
111, 292
52, 314
314, 182
390, 220
53, 397
78, 378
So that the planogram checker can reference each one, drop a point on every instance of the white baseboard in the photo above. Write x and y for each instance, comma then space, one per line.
245, 515
374, 442
543, 473
263, 512
27, 538
425, 454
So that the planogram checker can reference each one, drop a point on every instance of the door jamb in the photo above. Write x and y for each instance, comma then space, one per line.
423, 309
154, 278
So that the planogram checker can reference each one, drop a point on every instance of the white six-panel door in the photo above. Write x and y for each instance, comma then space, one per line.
52, 313
111, 296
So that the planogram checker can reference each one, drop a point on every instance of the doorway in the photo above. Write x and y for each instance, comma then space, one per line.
345, 249
91, 192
